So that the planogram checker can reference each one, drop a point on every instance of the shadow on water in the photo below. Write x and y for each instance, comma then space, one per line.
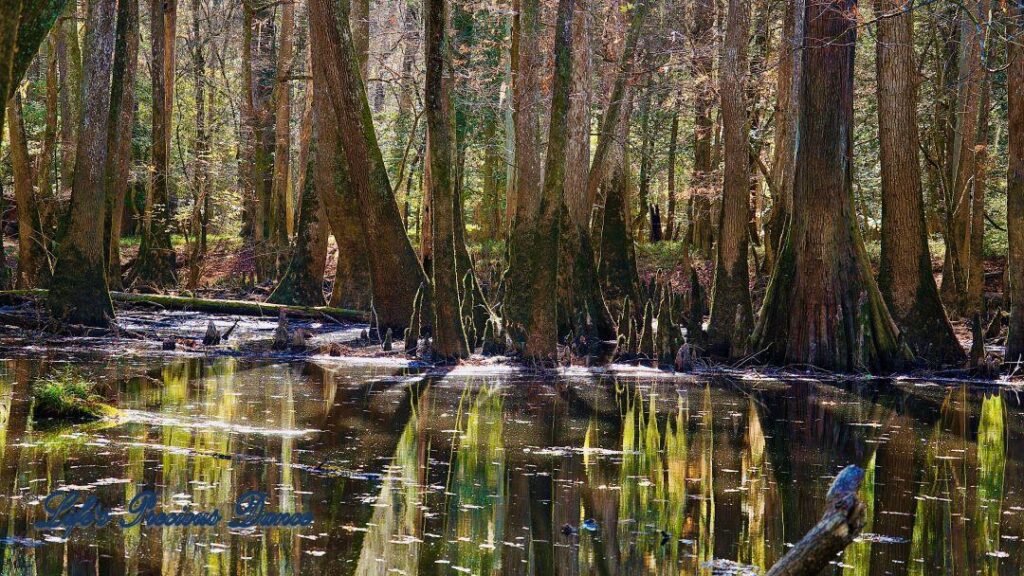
408, 473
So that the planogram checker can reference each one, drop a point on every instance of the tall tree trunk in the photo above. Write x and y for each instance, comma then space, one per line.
822, 306
394, 269
963, 157
69, 60
259, 134
532, 279
352, 287
581, 306
281, 183
1015, 191
489, 212
119, 136
200, 152
700, 234
303, 280
787, 116
600, 167
617, 258
647, 135
360, 24
975, 238
156, 261
673, 139
33, 266
78, 292
731, 314
449, 335
905, 273
45, 194
525, 190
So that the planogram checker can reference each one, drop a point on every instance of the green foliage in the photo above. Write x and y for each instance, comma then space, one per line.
665, 255
67, 395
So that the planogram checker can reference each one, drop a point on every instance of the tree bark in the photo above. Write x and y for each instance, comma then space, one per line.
617, 258
200, 153
673, 139
259, 49
156, 261
69, 61
581, 306
449, 335
822, 306
601, 168
787, 115
532, 277
281, 183
119, 137
905, 272
700, 234
1015, 192
963, 155
45, 169
731, 315
78, 292
360, 19
395, 271
33, 266
303, 280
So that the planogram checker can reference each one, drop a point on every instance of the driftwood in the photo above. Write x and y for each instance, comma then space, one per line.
840, 523
241, 307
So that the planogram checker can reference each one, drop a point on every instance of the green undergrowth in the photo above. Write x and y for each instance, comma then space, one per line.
65, 395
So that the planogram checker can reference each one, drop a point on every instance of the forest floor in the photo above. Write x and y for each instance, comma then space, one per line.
142, 330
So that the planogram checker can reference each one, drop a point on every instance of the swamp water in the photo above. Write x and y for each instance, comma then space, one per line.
479, 473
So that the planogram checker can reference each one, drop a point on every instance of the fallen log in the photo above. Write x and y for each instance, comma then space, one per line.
840, 523
240, 307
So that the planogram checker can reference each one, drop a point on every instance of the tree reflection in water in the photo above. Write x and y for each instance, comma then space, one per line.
449, 473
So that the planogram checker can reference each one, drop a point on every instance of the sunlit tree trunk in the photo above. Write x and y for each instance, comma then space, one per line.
45, 168
303, 280
69, 62
449, 336
1015, 192
394, 269
787, 116
581, 306
963, 153
156, 262
532, 278
526, 187
119, 137
822, 306
200, 153
281, 184
731, 314
78, 292
905, 272
260, 78
33, 266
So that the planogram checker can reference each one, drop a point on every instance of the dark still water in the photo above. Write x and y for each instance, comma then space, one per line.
473, 473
